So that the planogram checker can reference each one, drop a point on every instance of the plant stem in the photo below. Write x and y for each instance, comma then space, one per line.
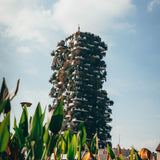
49, 145
44, 152
28, 154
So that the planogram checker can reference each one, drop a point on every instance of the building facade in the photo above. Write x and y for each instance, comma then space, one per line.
79, 72
158, 152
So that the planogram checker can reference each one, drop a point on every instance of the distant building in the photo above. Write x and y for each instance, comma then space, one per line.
158, 152
125, 152
102, 153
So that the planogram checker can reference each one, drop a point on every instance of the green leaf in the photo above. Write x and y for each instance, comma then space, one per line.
15, 124
30, 120
120, 157
81, 138
56, 118
59, 148
4, 132
137, 157
7, 106
111, 154
39, 147
64, 144
46, 135
120, 153
81, 135
131, 154
3, 105
43, 115
33, 149
4, 94
39, 110
52, 143
67, 137
23, 124
70, 136
20, 136
94, 145
36, 127
4, 91
72, 148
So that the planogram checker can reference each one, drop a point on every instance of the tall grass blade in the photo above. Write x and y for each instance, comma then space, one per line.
23, 124
4, 132
57, 118
36, 127
111, 154
72, 148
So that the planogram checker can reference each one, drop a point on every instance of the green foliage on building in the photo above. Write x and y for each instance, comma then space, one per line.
79, 72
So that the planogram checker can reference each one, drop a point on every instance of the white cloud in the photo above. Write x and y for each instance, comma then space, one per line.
92, 15
152, 4
27, 20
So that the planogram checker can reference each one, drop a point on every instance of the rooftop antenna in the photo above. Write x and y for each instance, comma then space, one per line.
78, 28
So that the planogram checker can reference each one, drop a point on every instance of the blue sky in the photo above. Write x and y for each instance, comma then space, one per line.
30, 30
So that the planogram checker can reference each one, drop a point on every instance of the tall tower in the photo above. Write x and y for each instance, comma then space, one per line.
79, 72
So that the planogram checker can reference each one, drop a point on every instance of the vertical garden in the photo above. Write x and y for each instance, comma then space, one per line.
79, 73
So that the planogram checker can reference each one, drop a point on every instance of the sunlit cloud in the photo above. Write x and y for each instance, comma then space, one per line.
28, 21
25, 20
99, 15
152, 4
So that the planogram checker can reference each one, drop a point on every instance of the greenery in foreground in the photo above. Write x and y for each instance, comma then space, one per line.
34, 139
